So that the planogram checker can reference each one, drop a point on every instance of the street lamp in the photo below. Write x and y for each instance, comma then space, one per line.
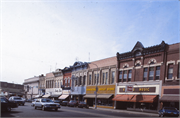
96, 86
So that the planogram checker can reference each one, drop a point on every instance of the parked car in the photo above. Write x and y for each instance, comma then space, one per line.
64, 103
6, 105
83, 104
28, 100
33, 102
17, 99
72, 103
57, 101
46, 103
168, 111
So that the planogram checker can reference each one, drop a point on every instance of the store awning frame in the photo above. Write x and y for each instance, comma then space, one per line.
54, 95
64, 96
106, 96
90, 96
136, 98
170, 99
46, 96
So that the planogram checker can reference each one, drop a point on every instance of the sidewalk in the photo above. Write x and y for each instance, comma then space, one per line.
125, 111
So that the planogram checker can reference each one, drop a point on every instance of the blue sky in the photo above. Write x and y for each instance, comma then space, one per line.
38, 36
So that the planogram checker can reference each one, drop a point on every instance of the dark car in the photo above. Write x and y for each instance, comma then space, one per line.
83, 104
45, 104
72, 103
6, 105
57, 101
17, 100
64, 103
168, 111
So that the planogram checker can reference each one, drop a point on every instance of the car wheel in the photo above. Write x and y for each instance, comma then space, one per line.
43, 108
8, 109
22, 104
162, 115
35, 107
56, 109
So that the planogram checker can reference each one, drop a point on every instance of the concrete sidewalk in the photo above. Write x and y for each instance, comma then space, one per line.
126, 111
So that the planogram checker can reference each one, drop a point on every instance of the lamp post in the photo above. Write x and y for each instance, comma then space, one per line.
96, 86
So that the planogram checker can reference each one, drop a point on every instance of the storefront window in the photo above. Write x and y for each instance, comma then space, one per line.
104, 102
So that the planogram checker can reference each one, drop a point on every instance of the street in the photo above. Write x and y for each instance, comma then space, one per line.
64, 111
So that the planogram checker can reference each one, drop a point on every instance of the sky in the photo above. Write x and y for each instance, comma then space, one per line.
39, 36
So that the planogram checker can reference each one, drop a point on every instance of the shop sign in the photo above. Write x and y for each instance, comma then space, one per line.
101, 89
140, 89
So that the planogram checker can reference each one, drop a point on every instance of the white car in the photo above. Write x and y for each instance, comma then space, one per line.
45, 103
33, 102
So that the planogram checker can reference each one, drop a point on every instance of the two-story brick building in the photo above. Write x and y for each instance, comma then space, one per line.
147, 70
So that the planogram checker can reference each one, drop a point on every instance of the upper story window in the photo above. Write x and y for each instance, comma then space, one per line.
170, 71
98, 78
151, 73
145, 74
125, 76
103, 79
89, 79
138, 53
129, 75
113, 77
157, 73
84, 80
95, 79
178, 70
68, 82
120, 76
106, 82
79, 80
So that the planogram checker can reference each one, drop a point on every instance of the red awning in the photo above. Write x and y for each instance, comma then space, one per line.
136, 98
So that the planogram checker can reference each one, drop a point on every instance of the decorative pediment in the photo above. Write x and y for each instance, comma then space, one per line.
137, 47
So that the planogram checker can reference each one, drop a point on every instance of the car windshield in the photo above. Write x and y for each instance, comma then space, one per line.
170, 108
65, 101
82, 103
17, 98
72, 101
47, 100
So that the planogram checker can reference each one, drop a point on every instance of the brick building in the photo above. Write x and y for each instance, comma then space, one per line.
102, 73
149, 71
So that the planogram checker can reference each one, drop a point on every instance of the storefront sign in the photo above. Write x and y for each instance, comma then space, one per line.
140, 89
54, 90
101, 89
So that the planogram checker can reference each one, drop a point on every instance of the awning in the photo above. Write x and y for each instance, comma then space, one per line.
37, 96
63, 96
170, 99
90, 96
46, 96
136, 98
54, 96
104, 96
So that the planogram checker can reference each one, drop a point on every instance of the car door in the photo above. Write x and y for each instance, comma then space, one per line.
37, 103
4, 104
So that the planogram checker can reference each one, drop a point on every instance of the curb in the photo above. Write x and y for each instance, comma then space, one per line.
127, 111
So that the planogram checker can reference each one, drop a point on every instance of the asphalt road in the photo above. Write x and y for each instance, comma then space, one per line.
64, 111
